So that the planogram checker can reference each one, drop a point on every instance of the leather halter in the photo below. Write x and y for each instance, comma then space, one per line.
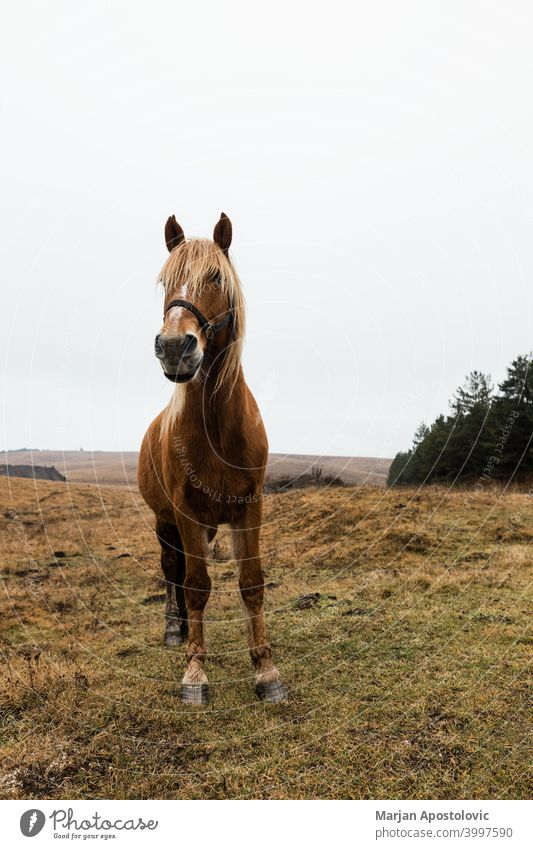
207, 326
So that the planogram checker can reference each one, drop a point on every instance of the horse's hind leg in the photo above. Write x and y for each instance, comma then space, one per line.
173, 565
268, 684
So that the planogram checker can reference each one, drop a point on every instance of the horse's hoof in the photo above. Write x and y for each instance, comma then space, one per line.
195, 694
272, 692
173, 638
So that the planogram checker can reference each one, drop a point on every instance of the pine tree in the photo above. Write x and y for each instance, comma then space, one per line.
399, 469
475, 393
435, 452
483, 435
514, 411
471, 438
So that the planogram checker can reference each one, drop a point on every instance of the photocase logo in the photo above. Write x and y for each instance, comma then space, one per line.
31, 822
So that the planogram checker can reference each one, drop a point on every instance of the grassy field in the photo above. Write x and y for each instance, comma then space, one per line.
406, 660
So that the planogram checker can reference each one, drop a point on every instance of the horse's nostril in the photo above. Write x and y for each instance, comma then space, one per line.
190, 344
158, 345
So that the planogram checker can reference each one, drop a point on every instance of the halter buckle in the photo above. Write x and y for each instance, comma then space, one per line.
208, 330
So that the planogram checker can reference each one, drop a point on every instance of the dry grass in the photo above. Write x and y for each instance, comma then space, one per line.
407, 664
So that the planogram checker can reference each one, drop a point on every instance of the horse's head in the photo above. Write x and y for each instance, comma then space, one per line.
204, 309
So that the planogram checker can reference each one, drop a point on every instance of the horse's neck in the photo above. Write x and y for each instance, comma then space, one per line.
205, 418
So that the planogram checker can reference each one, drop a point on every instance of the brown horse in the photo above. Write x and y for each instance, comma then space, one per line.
202, 460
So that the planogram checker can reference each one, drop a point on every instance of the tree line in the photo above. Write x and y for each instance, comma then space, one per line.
487, 435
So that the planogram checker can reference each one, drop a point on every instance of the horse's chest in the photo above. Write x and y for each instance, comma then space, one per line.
216, 493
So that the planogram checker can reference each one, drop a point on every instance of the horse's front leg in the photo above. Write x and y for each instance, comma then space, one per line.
197, 585
173, 565
245, 532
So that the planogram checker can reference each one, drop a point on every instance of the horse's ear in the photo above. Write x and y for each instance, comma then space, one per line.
222, 233
174, 234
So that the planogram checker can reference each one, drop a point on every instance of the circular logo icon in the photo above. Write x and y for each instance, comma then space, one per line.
31, 822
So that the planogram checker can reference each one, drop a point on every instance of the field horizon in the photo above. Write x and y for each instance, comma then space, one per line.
111, 468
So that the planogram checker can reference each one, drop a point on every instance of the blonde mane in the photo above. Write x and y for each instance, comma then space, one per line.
195, 262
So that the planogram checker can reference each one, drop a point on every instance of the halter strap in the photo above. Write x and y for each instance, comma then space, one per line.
208, 327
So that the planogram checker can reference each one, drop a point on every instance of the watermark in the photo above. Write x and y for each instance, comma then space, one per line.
494, 459
32, 822
68, 826
468, 825
211, 492
408, 822
432, 816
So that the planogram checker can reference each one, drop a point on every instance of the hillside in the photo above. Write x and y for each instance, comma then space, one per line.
399, 621
120, 467
47, 473
102, 467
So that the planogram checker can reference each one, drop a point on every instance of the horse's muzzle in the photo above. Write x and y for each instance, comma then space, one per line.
180, 356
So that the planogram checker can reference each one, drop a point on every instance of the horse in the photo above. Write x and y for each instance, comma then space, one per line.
202, 460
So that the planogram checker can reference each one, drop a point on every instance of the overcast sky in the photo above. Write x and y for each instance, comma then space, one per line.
376, 162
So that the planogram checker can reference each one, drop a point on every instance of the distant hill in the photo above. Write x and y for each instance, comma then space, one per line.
120, 468
45, 473
350, 470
